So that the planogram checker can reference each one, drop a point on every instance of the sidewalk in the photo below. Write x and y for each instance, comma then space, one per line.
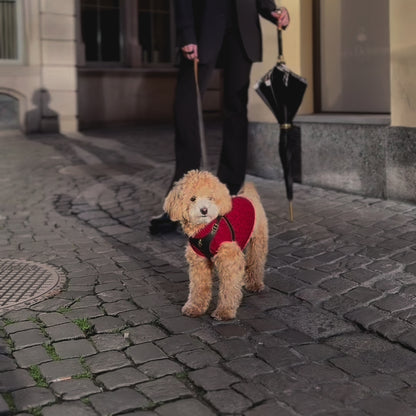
333, 334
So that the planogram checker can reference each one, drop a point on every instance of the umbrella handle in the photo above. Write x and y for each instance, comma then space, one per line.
280, 57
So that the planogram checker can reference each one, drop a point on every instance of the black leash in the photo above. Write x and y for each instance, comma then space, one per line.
204, 159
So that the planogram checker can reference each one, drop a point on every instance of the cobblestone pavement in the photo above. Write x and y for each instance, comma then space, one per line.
333, 334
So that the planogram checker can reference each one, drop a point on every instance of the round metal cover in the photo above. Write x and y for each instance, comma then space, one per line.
24, 282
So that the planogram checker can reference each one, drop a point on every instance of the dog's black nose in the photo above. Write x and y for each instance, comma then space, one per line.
204, 211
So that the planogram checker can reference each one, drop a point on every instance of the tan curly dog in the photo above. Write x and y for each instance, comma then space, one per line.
227, 236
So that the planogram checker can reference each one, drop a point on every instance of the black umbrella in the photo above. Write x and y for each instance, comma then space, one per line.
282, 90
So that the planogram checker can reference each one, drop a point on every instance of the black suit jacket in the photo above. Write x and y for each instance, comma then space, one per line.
203, 22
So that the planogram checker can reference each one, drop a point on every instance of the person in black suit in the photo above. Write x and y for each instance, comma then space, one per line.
226, 32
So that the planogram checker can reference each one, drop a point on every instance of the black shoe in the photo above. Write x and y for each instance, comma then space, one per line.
162, 224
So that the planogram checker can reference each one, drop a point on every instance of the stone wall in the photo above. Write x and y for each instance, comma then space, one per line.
58, 65
43, 79
367, 157
132, 95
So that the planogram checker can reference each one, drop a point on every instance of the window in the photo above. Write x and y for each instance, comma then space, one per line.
100, 26
10, 26
354, 56
9, 112
154, 17
127, 32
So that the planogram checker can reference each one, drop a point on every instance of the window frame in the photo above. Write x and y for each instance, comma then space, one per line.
130, 48
171, 39
317, 67
19, 37
121, 34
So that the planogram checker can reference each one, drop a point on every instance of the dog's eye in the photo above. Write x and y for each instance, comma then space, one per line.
193, 198
211, 198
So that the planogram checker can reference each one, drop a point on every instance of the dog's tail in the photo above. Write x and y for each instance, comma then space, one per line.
250, 191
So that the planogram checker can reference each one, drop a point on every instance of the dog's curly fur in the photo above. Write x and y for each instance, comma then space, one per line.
194, 201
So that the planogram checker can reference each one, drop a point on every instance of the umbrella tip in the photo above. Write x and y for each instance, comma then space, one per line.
291, 211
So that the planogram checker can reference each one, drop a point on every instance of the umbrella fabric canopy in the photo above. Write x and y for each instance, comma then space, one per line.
282, 90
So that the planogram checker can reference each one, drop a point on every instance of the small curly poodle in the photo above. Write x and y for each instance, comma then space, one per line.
227, 235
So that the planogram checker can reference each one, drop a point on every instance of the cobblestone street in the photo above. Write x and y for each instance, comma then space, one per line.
332, 335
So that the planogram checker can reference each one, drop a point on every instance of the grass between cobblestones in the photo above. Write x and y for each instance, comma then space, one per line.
40, 324
37, 376
10, 343
150, 406
9, 400
86, 401
7, 322
85, 326
50, 349
86, 374
36, 412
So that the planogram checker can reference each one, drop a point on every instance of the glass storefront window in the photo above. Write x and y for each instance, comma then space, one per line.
154, 17
111, 29
100, 25
355, 56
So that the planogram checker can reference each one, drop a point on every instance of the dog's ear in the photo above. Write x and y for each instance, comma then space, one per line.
172, 205
223, 199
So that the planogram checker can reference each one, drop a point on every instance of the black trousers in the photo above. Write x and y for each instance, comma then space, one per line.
233, 159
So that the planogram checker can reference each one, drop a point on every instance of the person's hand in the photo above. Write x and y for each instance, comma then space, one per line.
190, 51
282, 17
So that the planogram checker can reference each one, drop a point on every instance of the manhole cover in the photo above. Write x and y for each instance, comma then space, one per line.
23, 283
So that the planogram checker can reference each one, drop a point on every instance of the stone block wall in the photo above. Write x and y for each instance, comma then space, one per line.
367, 158
58, 67
44, 79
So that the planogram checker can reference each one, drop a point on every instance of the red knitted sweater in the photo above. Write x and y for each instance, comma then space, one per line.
237, 226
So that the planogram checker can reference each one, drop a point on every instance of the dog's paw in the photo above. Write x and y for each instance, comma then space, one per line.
254, 287
191, 310
224, 314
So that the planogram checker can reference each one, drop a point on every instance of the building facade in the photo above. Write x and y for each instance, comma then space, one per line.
358, 118
38, 75
67, 65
